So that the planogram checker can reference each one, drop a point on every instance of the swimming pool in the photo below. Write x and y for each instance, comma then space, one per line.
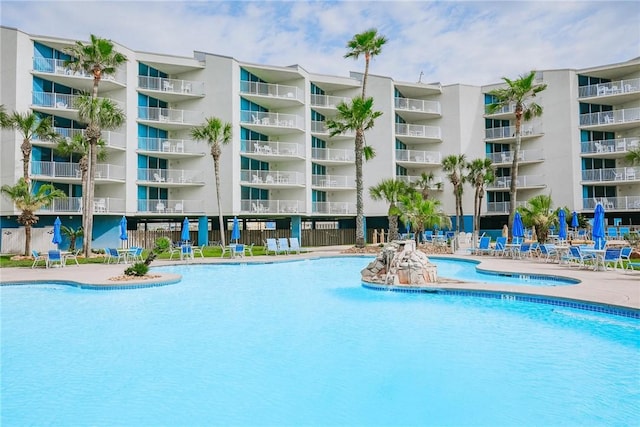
303, 343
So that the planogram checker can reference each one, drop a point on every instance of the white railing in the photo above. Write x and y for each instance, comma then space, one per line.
318, 126
271, 206
174, 206
169, 115
333, 154
416, 156
618, 203
64, 204
524, 156
61, 101
610, 117
611, 88
502, 207
333, 181
510, 131
417, 105
272, 119
328, 101
273, 148
522, 181
505, 109
171, 176
337, 208
421, 131
190, 87
620, 145
435, 183
101, 205
271, 89
611, 174
72, 170
56, 66
271, 177
165, 145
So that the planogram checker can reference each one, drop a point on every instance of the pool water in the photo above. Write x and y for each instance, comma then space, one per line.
303, 343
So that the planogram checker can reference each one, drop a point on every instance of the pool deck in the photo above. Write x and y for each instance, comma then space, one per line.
611, 287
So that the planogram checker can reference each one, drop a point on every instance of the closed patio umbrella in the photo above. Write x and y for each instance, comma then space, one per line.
184, 236
57, 236
574, 221
123, 230
235, 231
598, 224
518, 226
562, 220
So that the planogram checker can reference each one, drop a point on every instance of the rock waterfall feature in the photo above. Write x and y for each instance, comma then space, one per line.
399, 263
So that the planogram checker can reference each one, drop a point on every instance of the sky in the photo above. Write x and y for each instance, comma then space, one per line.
469, 42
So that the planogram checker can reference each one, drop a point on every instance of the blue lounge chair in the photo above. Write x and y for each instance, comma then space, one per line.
625, 255
54, 257
238, 250
577, 257
115, 256
283, 245
272, 246
612, 256
37, 257
484, 246
548, 252
294, 245
186, 252
500, 248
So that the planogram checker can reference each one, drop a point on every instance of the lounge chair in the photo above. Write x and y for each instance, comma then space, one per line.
238, 250
136, 253
186, 252
500, 248
612, 256
248, 249
625, 255
116, 256
283, 245
54, 257
37, 257
173, 250
484, 246
548, 252
73, 255
294, 245
197, 250
272, 246
633, 266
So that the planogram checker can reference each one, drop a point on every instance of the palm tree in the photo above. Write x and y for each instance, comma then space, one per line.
216, 133
99, 59
539, 213
633, 156
454, 166
369, 44
30, 126
73, 234
359, 117
28, 203
480, 173
100, 114
422, 213
4, 117
390, 191
426, 183
518, 93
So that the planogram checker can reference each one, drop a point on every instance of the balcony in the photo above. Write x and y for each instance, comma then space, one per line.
617, 119
437, 183
73, 205
334, 182
611, 175
319, 127
55, 70
525, 156
171, 148
170, 206
523, 182
61, 104
113, 140
272, 178
171, 89
170, 177
271, 206
610, 148
502, 208
417, 109
409, 158
418, 133
272, 95
626, 203
169, 118
333, 208
327, 103
619, 91
508, 133
272, 123
70, 172
330, 156
265, 150
507, 111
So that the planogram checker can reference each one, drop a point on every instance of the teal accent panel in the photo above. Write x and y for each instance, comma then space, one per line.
203, 232
364, 228
106, 232
400, 145
296, 227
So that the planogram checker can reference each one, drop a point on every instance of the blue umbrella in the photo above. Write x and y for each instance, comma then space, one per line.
235, 231
185, 230
598, 224
562, 219
518, 226
574, 220
57, 236
123, 229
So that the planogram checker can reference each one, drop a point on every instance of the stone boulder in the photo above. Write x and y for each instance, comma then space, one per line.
400, 263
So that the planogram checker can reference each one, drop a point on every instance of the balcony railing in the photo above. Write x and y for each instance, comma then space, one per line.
328, 101
169, 115
171, 206
272, 148
436, 183
418, 156
271, 206
171, 176
522, 182
620, 145
318, 126
421, 131
101, 205
610, 117
506, 109
165, 145
611, 174
333, 154
611, 88
417, 105
502, 207
61, 101
189, 87
271, 89
56, 66
272, 119
617, 203
333, 181
110, 138
524, 156
72, 170
272, 177
510, 131
335, 208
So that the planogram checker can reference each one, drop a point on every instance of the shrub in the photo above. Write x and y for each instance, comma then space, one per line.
137, 269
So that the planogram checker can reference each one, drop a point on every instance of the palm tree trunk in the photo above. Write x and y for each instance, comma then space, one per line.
88, 226
27, 240
359, 188
513, 189
393, 228
216, 167
367, 58
26, 155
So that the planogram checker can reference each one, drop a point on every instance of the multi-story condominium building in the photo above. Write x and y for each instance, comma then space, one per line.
282, 166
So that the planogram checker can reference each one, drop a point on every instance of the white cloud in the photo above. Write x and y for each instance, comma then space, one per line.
452, 42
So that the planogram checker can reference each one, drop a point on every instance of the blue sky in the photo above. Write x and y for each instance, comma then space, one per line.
470, 42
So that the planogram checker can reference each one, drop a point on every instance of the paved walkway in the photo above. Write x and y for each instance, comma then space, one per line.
612, 287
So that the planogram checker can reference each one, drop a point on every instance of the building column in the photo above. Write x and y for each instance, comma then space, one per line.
203, 230
364, 228
296, 227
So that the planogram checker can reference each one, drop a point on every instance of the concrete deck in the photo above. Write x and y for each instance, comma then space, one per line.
612, 287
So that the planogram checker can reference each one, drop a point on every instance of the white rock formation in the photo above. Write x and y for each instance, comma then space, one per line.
400, 263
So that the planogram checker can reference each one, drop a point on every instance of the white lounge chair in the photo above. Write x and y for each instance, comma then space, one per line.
294, 245
272, 246
283, 245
